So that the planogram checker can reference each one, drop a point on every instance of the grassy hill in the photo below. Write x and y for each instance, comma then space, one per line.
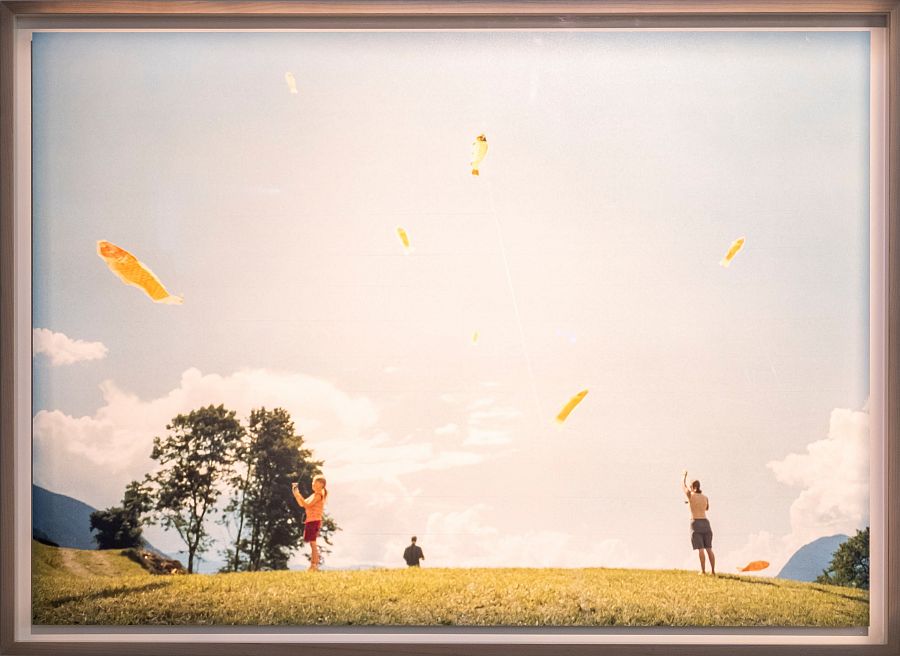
104, 587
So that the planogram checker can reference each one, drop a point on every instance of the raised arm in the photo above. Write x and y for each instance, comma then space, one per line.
296, 492
684, 485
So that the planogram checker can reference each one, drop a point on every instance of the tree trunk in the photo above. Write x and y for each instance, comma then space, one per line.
237, 542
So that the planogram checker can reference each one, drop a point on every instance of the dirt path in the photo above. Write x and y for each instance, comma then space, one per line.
70, 562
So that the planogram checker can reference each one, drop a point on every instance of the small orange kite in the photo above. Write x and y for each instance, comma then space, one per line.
132, 271
755, 566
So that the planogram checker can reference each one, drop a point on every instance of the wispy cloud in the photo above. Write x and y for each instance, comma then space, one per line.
465, 538
481, 437
499, 413
360, 459
489, 424
63, 350
447, 429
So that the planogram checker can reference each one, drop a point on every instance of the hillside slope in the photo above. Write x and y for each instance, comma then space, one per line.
65, 521
67, 594
81, 563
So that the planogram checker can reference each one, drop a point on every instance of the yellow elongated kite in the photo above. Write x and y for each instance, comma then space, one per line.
732, 251
403, 238
291, 82
132, 271
575, 400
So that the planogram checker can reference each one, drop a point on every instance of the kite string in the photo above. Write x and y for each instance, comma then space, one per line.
512, 292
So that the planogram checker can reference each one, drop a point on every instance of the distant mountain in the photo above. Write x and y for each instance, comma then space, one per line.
811, 559
63, 521
60, 519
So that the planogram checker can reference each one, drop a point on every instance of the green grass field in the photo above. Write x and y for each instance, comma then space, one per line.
106, 588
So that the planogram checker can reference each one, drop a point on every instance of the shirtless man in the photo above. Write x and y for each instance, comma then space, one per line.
701, 531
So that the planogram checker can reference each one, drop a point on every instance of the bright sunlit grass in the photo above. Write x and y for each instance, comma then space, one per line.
460, 597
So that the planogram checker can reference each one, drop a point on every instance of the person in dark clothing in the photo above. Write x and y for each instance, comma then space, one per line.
413, 554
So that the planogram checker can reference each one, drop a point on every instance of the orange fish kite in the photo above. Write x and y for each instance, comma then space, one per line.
755, 566
132, 271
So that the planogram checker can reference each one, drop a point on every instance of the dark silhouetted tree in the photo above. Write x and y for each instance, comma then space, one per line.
850, 563
267, 520
120, 527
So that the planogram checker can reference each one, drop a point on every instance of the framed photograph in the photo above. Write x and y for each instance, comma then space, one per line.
438, 328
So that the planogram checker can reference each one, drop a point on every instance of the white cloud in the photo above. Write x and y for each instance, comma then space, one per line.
93, 458
833, 476
447, 429
361, 459
62, 349
463, 539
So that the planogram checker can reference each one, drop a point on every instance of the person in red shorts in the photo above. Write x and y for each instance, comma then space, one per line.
314, 505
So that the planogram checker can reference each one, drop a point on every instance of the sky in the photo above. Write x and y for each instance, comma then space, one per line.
621, 167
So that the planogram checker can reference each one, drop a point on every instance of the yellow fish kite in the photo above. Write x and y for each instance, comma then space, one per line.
755, 566
735, 248
475, 337
404, 238
132, 271
479, 150
291, 81
575, 400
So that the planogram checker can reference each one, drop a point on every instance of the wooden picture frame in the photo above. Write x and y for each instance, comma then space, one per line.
497, 14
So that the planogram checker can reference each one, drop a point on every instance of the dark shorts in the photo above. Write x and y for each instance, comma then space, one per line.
701, 534
311, 531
